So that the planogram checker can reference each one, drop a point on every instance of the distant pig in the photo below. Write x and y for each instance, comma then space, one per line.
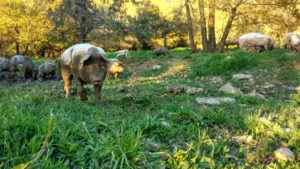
25, 65
255, 42
115, 68
160, 51
292, 41
4, 65
231, 42
87, 64
47, 70
124, 52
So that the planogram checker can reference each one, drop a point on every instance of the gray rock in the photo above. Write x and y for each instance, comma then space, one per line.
219, 137
229, 57
121, 88
264, 120
214, 100
165, 124
286, 130
228, 88
284, 154
161, 82
243, 139
193, 90
154, 146
242, 77
267, 86
256, 95
156, 67
176, 88
289, 87
216, 80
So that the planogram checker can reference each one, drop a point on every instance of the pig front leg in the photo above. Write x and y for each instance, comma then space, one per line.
22, 68
80, 90
12, 73
98, 88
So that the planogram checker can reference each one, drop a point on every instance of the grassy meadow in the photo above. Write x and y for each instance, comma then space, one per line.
146, 127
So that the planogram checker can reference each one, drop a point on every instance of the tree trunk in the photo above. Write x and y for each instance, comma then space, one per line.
203, 25
211, 27
17, 48
227, 29
82, 35
165, 40
190, 26
17, 43
26, 50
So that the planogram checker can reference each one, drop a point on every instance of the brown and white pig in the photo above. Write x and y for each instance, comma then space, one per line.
292, 42
87, 64
25, 65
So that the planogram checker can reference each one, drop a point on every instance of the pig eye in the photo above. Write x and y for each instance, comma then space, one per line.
88, 62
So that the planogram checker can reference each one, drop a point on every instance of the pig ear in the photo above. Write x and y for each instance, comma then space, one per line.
105, 59
83, 59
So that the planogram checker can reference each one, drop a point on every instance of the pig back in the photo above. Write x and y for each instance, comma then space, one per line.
4, 64
78, 53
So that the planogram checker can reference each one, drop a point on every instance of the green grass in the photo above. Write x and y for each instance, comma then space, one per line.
218, 64
145, 127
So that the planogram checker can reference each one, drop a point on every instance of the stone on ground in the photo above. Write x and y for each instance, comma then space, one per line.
242, 77
267, 86
216, 80
175, 88
214, 100
179, 88
193, 90
256, 95
284, 154
121, 88
264, 120
156, 67
243, 139
228, 88
229, 57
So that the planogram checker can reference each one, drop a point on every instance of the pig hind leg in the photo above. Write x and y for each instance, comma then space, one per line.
66, 75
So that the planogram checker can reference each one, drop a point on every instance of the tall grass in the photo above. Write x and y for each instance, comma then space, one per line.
219, 64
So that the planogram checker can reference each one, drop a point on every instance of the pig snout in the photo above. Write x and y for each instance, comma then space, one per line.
97, 82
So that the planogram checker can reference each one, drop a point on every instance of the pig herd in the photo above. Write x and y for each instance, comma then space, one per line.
82, 63
86, 63
257, 42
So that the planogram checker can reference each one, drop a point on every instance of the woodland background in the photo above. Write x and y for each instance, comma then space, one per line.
44, 28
